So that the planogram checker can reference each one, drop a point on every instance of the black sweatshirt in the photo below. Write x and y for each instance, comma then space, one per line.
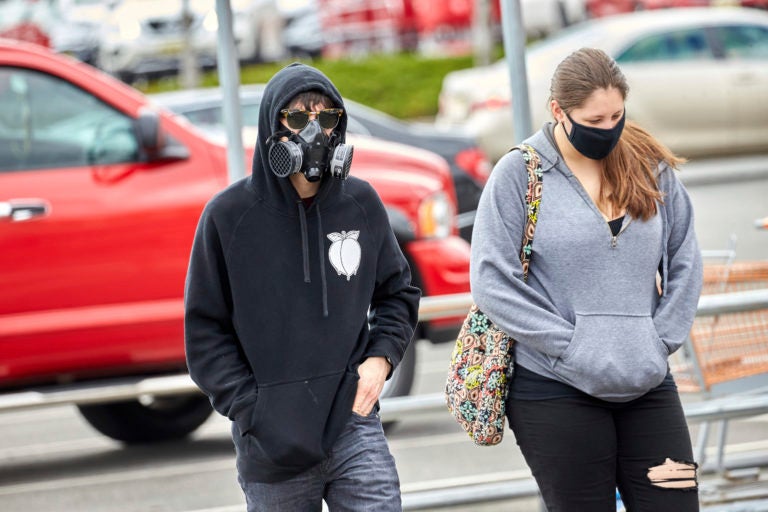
277, 300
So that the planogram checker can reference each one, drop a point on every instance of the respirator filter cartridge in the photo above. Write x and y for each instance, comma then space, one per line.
285, 158
341, 161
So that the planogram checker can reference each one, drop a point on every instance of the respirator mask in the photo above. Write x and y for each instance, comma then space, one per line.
310, 151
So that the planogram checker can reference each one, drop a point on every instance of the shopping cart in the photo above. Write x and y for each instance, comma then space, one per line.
725, 354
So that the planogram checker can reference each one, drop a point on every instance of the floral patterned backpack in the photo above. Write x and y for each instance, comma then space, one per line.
482, 360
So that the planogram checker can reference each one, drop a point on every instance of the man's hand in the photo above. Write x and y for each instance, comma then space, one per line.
373, 373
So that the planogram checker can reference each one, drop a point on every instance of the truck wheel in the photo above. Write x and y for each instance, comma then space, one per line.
402, 380
146, 421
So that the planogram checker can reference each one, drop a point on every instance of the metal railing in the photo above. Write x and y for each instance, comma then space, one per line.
391, 408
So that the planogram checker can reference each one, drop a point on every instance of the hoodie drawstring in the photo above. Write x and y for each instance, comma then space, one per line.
304, 242
320, 247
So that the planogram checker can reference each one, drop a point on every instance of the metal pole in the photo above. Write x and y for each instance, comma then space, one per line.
190, 75
481, 32
514, 49
229, 77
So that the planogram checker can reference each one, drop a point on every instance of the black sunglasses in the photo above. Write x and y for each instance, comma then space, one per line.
298, 119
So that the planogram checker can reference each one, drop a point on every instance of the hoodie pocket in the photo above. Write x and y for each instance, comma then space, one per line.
293, 424
613, 356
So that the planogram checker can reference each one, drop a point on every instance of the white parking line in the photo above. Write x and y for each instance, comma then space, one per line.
24, 452
90, 444
50, 413
428, 440
97, 442
209, 466
447, 483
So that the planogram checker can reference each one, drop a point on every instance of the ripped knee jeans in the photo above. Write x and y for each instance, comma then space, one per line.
580, 449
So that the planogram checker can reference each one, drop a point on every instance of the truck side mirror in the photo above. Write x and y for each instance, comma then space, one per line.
154, 144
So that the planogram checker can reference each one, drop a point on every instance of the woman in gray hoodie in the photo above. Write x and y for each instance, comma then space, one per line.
612, 290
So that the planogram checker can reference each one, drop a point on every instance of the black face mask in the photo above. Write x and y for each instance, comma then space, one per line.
310, 152
595, 143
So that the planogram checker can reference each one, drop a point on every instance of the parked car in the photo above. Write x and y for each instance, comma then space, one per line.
539, 17
76, 31
66, 26
667, 4
599, 8
542, 18
757, 4
147, 37
698, 79
470, 167
24, 20
100, 193
302, 31
337, 28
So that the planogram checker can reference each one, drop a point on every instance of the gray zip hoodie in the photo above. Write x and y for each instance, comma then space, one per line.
590, 314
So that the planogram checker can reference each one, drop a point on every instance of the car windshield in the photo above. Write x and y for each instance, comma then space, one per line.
544, 55
688, 44
587, 34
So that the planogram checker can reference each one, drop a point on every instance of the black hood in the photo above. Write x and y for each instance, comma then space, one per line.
279, 91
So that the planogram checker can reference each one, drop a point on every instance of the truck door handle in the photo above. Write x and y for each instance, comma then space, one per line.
16, 210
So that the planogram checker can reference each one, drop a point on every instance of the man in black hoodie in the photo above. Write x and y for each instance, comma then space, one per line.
299, 306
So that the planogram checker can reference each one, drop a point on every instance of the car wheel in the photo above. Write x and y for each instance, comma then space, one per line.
149, 420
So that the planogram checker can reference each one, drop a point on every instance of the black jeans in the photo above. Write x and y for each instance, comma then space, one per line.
580, 449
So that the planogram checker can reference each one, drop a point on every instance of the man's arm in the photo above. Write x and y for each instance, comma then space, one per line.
393, 318
214, 357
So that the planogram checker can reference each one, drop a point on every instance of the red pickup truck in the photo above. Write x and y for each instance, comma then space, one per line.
100, 193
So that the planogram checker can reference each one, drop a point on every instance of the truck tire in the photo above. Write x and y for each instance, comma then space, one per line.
401, 382
136, 421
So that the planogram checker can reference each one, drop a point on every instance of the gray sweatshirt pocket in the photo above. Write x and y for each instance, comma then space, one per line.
615, 357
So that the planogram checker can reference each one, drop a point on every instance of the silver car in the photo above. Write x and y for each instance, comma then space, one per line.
698, 80
147, 37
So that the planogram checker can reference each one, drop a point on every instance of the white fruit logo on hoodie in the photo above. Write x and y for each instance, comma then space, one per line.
345, 252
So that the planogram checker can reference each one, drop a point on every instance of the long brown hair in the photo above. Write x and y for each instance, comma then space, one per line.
629, 171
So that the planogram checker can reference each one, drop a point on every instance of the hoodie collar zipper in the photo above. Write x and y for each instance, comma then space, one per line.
615, 238
591, 204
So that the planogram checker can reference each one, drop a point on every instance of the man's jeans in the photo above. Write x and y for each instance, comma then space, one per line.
358, 475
